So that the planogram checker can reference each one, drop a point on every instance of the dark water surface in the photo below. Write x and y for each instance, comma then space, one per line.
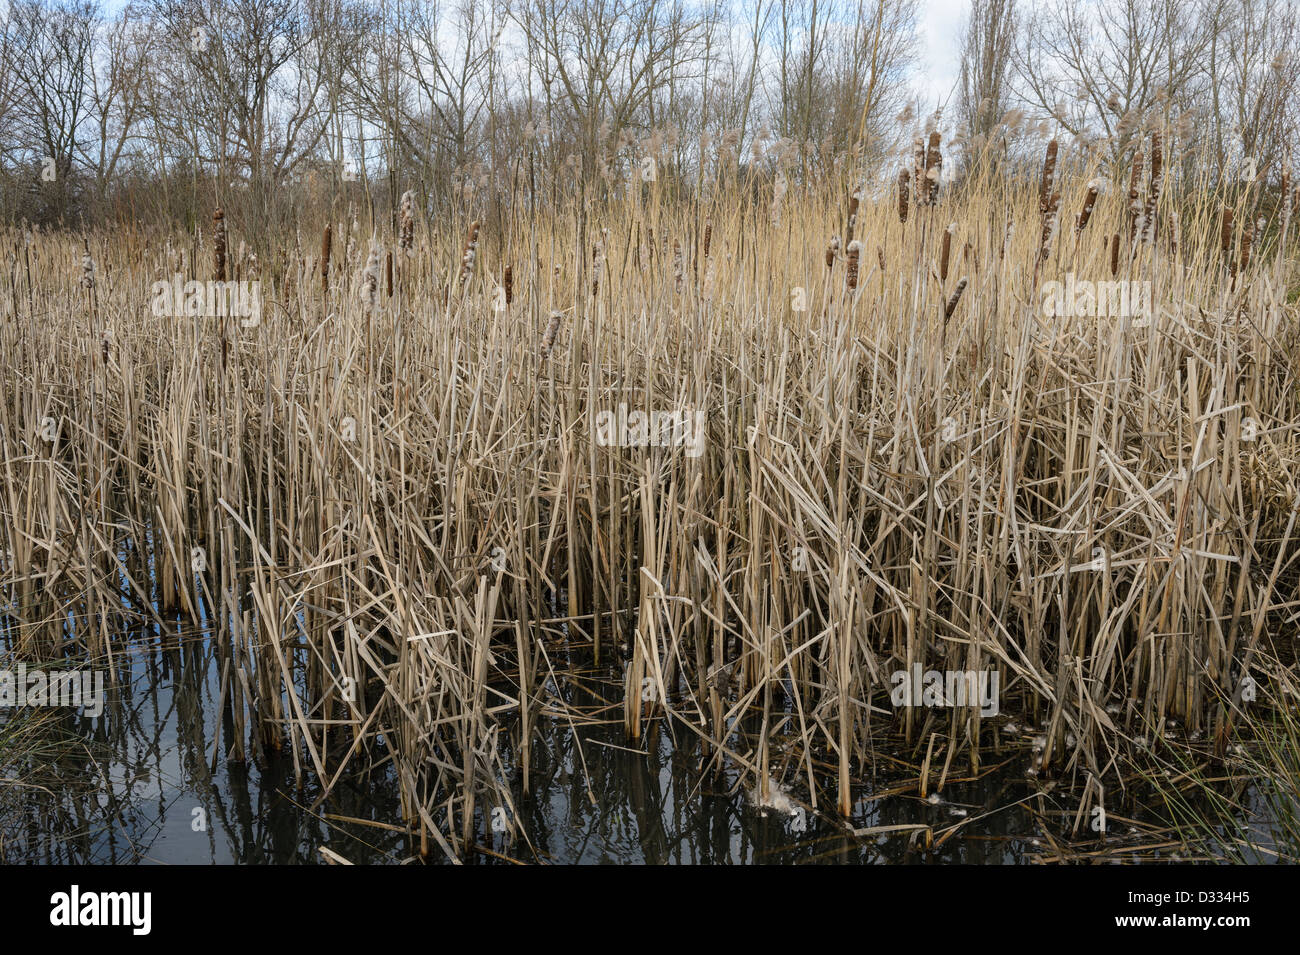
148, 782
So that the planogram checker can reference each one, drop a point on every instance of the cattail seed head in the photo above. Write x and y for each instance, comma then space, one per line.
954, 298
469, 253
1114, 254
1247, 241
903, 190
832, 250
552, 330
326, 244
219, 244
508, 282
708, 237
854, 250
597, 259
1049, 224
933, 168
407, 238
1049, 176
1225, 231
945, 251
1089, 201
87, 266
368, 291
1134, 201
1157, 163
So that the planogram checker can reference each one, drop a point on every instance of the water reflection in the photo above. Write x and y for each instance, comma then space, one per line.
148, 782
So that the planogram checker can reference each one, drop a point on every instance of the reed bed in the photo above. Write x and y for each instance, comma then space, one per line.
391, 500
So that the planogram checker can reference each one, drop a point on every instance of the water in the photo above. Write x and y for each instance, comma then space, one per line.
149, 783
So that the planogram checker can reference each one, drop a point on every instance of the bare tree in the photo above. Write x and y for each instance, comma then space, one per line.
987, 43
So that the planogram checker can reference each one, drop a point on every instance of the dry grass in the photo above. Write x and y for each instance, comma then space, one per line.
404, 513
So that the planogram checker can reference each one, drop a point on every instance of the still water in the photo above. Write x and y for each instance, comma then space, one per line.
148, 783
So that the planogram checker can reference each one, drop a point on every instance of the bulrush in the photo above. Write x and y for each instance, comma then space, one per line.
1134, 200
508, 283
406, 241
1048, 178
1114, 254
468, 254
1247, 241
87, 266
918, 171
326, 244
779, 188
855, 250
1049, 224
1157, 164
1153, 192
954, 299
903, 190
1090, 200
219, 245
708, 238
832, 250
945, 250
1225, 233
933, 168
597, 260
678, 266
548, 336
368, 291
854, 201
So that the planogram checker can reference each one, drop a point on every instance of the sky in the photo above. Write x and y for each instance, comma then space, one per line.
940, 23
